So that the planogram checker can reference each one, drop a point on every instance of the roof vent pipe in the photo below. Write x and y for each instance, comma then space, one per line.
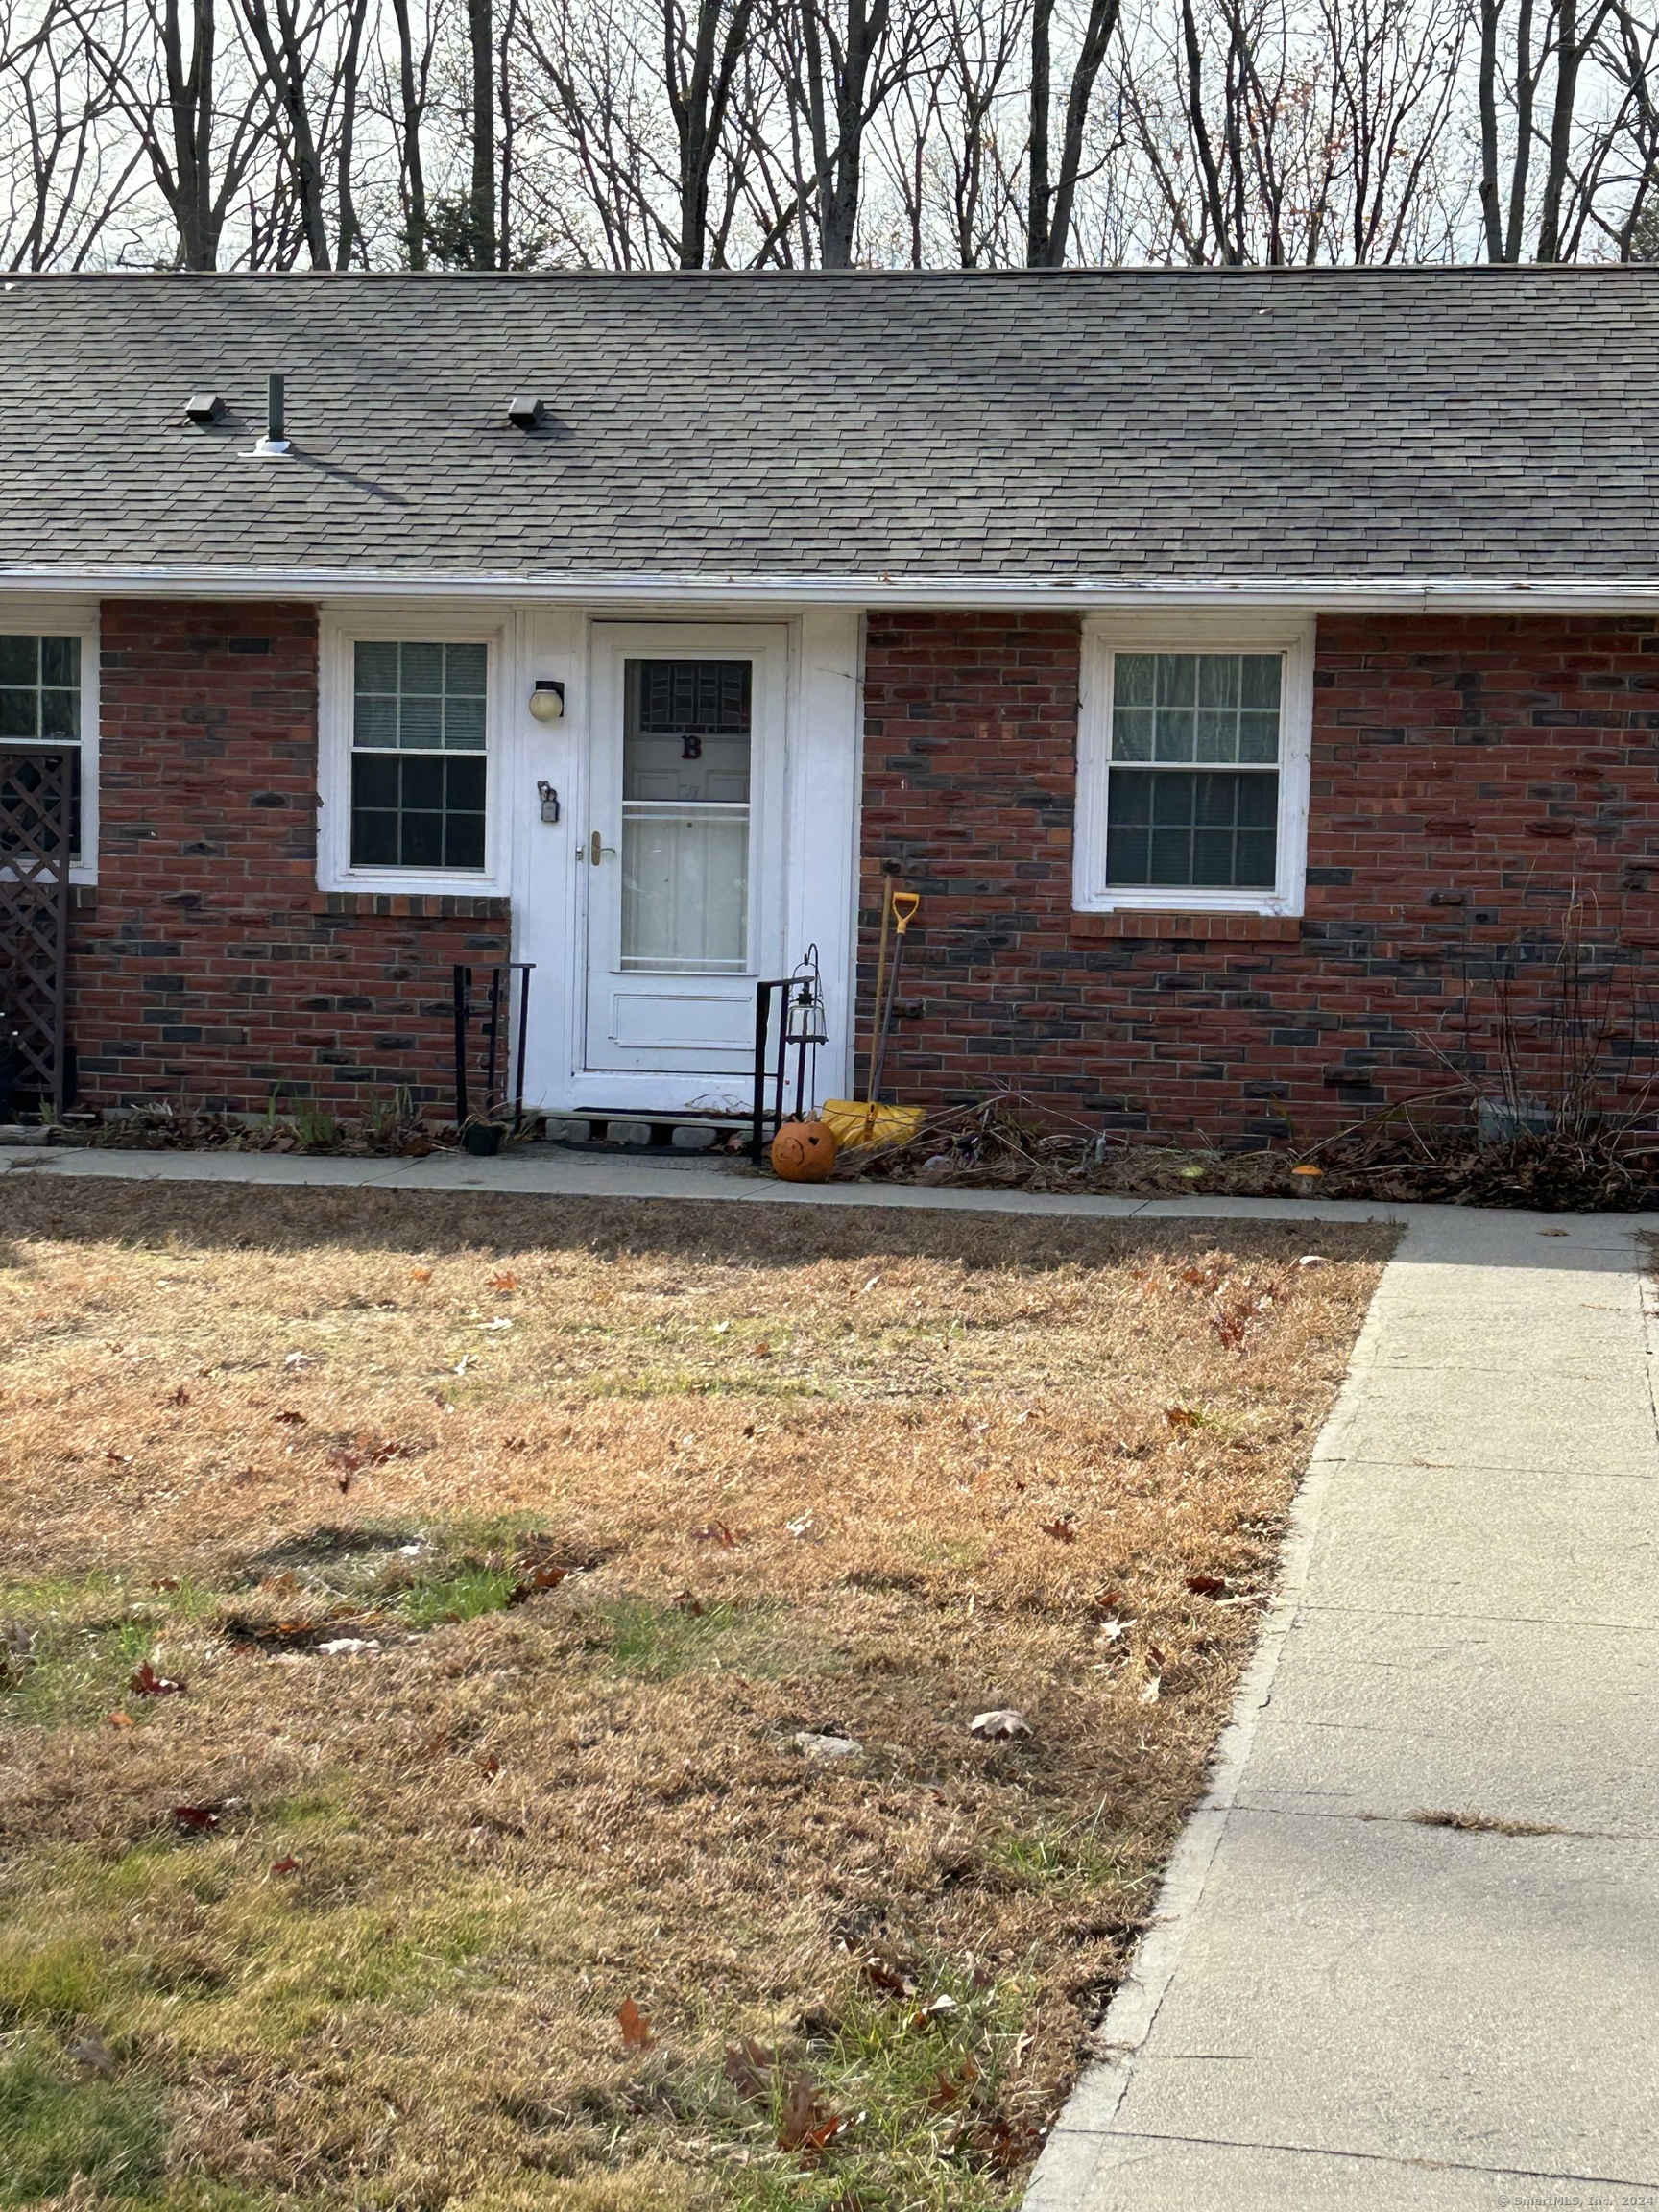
275, 439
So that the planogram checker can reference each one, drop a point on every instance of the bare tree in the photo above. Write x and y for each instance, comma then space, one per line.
1050, 196
701, 46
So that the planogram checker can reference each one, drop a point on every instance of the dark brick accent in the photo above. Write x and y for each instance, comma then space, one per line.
210, 966
1484, 764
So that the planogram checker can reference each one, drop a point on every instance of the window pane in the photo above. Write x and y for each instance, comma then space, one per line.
375, 781
60, 716
60, 662
424, 784
420, 723
377, 668
421, 843
376, 722
420, 669
464, 786
374, 839
1262, 676
40, 703
464, 724
685, 891
418, 698
1134, 679
20, 713
1191, 828
686, 790
1174, 736
1131, 733
465, 671
417, 810
1209, 706
708, 697
1177, 678
464, 840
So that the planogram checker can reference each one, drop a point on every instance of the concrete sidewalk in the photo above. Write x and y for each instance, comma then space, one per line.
550, 1171
1339, 2007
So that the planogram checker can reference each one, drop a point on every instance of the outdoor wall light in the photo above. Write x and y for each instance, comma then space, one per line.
547, 700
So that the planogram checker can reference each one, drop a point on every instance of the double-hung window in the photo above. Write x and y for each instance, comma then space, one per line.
1193, 767
41, 712
419, 754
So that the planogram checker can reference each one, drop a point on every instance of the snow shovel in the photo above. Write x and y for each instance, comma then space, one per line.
857, 1121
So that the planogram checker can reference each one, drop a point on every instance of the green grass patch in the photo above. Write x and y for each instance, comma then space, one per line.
644, 1638
55, 2127
931, 2127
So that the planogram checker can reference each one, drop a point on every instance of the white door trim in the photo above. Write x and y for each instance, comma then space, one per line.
818, 839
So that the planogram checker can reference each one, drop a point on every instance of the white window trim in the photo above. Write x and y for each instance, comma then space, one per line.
67, 617
1104, 635
340, 635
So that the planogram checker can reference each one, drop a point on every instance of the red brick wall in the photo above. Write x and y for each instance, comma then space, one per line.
1468, 775
207, 967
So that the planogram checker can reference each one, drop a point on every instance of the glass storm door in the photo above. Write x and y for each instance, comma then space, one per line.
681, 862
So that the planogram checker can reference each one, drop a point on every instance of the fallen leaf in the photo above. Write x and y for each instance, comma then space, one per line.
505, 1281
300, 1360
764, 1350
164, 1582
1206, 1585
148, 1684
1003, 2144
716, 1532
196, 1819
1061, 1530
290, 1419
891, 1976
950, 2087
636, 2032
1181, 1417
936, 2008
179, 1397
90, 2050
289, 1865
420, 1274
1002, 1721
807, 2124
1312, 1259
686, 1602
750, 2067
120, 1720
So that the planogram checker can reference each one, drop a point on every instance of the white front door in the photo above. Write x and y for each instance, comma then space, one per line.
684, 860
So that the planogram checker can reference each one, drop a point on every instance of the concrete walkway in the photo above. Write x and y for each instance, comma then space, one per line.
1340, 2007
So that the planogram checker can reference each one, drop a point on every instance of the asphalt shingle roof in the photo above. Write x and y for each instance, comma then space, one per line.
1112, 425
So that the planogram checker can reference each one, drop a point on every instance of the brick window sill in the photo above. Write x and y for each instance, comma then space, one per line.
1228, 929
428, 905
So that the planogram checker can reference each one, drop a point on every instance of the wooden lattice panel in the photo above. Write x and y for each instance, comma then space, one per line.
37, 825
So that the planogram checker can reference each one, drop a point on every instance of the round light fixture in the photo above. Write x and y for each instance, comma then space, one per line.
547, 700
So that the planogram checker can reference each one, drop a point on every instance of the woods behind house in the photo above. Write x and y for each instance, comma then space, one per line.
273, 134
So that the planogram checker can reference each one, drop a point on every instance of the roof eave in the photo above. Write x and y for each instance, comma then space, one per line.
1010, 593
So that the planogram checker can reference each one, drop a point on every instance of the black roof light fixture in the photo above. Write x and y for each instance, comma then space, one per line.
274, 443
526, 413
205, 407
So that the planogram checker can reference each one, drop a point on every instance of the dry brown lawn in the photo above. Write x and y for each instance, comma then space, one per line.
609, 1503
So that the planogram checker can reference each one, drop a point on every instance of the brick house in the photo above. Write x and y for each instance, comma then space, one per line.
1227, 658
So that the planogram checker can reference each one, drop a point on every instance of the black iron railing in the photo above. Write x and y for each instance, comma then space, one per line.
487, 993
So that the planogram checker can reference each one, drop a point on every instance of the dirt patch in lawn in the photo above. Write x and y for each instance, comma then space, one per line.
432, 1634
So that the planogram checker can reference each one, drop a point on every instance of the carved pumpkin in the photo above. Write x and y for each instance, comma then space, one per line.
804, 1151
